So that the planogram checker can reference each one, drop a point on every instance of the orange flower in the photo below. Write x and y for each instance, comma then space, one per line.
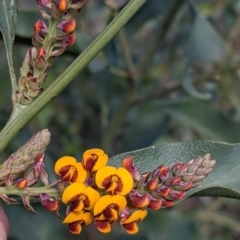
80, 197
70, 170
114, 180
106, 211
75, 221
94, 159
130, 223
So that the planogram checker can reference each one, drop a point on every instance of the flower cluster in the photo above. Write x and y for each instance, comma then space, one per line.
95, 192
51, 37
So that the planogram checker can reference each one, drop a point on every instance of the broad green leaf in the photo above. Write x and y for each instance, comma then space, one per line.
206, 44
8, 20
223, 181
206, 119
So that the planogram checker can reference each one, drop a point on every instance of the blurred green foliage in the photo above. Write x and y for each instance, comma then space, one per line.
188, 90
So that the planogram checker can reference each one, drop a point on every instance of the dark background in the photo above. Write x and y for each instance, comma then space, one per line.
179, 81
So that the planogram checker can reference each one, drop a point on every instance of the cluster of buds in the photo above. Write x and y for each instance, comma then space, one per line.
25, 168
94, 192
164, 186
51, 38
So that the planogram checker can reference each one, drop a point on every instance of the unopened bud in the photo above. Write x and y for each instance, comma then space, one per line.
40, 27
21, 183
67, 26
139, 200
152, 184
154, 203
49, 202
129, 165
62, 5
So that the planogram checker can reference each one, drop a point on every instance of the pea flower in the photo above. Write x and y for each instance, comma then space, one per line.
70, 170
129, 223
114, 180
94, 159
80, 197
106, 211
75, 221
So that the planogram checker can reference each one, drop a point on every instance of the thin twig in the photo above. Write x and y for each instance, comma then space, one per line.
160, 34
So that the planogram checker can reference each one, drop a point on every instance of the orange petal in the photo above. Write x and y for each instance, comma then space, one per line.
103, 226
127, 181
75, 228
93, 196
101, 204
94, 159
102, 175
101, 162
63, 162
120, 201
136, 216
80, 174
72, 217
73, 191
85, 218
96, 151
101, 217
131, 228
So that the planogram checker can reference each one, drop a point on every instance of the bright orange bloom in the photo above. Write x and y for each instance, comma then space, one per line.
80, 197
94, 159
114, 180
130, 223
75, 221
70, 170
106, 211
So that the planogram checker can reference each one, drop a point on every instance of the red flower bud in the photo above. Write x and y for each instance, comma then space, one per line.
67, 26
69, 41
139, 200
62, 5
129, 165
152, 184
173, 181
163, 172
167, 203
40, 27
49, 202
21, 183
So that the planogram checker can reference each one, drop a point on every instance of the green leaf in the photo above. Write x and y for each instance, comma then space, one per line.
206, 44
223, 181
206, 119
8, 20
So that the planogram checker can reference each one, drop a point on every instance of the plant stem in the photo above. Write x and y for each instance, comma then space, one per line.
14, 126
160, 35
30, 191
